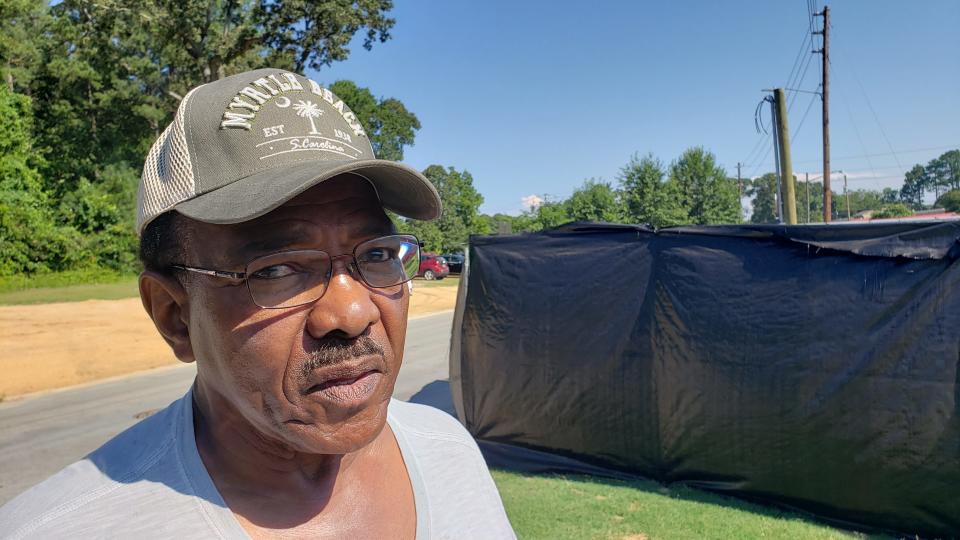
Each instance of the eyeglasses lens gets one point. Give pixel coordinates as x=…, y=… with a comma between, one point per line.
x=388, y=261
x=294, y=278
x=287, y=279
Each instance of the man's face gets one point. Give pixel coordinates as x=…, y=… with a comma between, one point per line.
x=315, y=378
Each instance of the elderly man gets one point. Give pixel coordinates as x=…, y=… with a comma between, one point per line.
x=269, y=261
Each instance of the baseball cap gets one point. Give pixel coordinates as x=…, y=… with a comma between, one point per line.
x=243, y=145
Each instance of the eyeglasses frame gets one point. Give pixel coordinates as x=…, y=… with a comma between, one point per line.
x=244, y=276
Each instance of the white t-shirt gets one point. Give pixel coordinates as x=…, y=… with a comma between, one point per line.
x=149, y=482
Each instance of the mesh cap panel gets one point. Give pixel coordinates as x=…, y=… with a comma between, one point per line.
x=167, y=172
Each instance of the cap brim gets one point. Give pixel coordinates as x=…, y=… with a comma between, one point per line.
x=401, y=189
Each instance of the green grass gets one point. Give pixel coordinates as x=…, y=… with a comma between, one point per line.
x=450, y=281
x=72, y=286
x=557, y=507
x=101, y=285
x=124, y=288
x=62, y=279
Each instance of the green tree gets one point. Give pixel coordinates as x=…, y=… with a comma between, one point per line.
x=763, y=191
x=810, y=201
x=951, y=164
x=549, y=214
x=647, y=197
x=859, y=200
x=30, y=240
x=893, y=210
x=493, y=223
x=937, y=177
x=914, y=186
x=105, y=78
x=186, y=42
x=388, y=123
x=943, y=173
x=113, y=72
x=20, y=22
x=595, y=201
x=460, y=218
x=890, y=195
x=706, y=193
x=950, y=201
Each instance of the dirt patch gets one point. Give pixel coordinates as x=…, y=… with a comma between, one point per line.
x=50, y=346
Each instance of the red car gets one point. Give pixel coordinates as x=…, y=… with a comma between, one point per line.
x=433, y=267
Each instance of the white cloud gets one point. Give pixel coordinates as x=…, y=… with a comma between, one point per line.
x=531, y=201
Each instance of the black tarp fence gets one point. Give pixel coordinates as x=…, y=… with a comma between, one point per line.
x=814, y=367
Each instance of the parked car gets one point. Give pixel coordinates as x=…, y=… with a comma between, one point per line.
x=433, y=267
x=455, y=262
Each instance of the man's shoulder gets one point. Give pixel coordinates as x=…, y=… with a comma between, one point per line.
x=426, y=421
x=442, y=448
x=94, y=481
x=449, y=474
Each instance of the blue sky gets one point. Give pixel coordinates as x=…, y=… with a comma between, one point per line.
x=535, y=97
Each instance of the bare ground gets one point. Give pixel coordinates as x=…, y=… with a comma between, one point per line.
x=49, y=346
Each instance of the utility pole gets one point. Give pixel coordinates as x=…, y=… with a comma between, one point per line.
x=776, y=158
x=807, y=182
x=789, y=191
x=825, y=97
x=739, y=181
x=846, y=194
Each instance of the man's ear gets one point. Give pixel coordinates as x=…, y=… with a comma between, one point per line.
x=165, y=300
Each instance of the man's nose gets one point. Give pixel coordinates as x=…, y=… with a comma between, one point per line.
x=345, y=307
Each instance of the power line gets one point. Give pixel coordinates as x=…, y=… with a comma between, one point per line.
x=794, y=70
x=756, y=147
x=804, y=91
x=871, y=170
x=762, y=155
x=800, y=82
x=794, y=82
x=766, y=155
x=758, y=122
x=876, y=118
x=912, y=151
x=793, y=137
x=797, y=62
x=856, y=130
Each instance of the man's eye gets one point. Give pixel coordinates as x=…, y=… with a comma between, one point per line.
x=275, y=271
x=379, y=254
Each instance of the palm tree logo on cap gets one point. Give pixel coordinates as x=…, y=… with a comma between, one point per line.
x=308, y=110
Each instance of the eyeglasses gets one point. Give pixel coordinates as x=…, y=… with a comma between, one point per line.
x=299, y=277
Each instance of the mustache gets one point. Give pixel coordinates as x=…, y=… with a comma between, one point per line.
x=335, y=350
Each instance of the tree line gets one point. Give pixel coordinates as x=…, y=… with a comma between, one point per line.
x=940, y=178
x=692, y=190
x=86, y=87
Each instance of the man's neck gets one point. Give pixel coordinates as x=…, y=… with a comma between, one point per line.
x=272, y=489
x=241, y=458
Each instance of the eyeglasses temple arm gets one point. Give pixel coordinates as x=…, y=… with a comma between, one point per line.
x=215, y=273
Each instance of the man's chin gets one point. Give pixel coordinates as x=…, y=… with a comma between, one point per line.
x=339, y=435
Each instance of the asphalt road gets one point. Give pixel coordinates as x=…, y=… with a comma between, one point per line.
x=42, y=434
